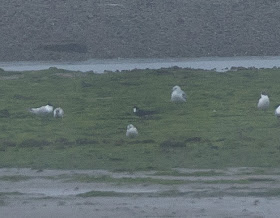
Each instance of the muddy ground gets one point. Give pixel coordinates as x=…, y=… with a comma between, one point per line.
x=234, y=192
x=81, y=30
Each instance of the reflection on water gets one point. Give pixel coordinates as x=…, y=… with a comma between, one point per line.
x=220, y=64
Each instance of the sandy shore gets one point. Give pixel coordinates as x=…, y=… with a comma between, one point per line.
x=238, y=192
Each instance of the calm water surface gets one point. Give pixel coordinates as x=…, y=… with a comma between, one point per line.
x=220, y=64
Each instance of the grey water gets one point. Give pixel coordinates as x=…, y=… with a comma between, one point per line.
x=219, y=64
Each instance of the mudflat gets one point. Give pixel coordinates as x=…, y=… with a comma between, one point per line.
x=230, y=192
x=81, y=30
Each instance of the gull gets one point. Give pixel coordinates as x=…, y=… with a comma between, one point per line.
x=263, y=103
x=277, y=112
x=43, y=110
x=58, y=112
x=140, y=113
x=178, y=95
x=131, y=131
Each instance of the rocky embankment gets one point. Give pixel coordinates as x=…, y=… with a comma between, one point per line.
x=80, y=30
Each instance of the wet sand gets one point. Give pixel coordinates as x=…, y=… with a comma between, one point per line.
x=235, y=192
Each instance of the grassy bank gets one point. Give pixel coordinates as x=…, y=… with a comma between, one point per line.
x=218, y=126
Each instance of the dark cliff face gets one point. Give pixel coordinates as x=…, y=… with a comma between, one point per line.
x=79, y=30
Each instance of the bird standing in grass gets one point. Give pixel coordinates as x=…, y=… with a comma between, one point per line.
x=131, y=131
x=178, y=95
x=263, y=103
x=43, y=110
x=58, y=112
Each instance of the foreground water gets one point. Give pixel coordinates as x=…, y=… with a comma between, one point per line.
x=220, y=64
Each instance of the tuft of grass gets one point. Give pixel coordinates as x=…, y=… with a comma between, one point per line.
x=195, y=174
x=171, y=143
x=239, y=181
x=4, y=113
x=85, y=141
x=34, y=143
x=101, y=194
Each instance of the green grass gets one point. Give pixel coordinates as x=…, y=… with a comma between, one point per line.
x=195, y=174
x=103, y=194
x=176, y=193
x=99, y=107
x=84, y=178
x=9, y=193
x=17, y=178
x=126, y=180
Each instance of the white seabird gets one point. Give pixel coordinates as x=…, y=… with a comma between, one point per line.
x=44, y=110
x=131, y=131
x=263, y=103
x=58, y=112
x=178, y=95
x=277, y=112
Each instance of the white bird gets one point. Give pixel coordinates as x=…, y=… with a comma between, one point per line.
x=178, y=95
x=58, y=112
x=131, y=131
x=44, y=110
x=277, y=112
x=263, y=103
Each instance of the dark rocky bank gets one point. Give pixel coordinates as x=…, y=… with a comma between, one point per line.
x=85, y=29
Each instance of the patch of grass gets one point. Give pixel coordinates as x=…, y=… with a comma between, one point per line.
x=17, y=178
x=171, y=193
x=261, y=180
x=88, y=179
x=171, y=143
x=4, y=113
x=149, y=180
x=268, y=193
x=239, y=181
x=199, y=194
x=9, y=193
x=34, y=143
x=256, y=171
x=195, y=174
x=85, y=141
x=101, y=194
x=274, y=192
x=125, y=180
x=219, y=125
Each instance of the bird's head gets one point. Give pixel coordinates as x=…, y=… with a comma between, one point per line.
x=176, y=88
x=129, y=126
x=135, y=109
x=264, y=93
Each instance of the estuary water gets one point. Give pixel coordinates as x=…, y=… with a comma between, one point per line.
x=220, y=64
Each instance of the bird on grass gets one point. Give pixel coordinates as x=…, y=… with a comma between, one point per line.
x=277, y=112
x=43, y=110
x=178, y=95
x=142, y=113
x=131, y=131
x=58, y=112
x=263, y=103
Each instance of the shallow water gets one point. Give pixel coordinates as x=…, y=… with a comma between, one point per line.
x=220, y=64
